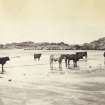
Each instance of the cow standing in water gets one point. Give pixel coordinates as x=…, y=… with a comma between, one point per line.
x=72, y=57
x=82, y=54
x=3, y=60
x=75, y=58
x=104, y=57
x=37, y=56
x=56, y=58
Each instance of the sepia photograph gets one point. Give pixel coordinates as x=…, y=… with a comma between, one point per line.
x=52, y=52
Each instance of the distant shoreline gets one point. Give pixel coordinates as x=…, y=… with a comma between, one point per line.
x=95, y=45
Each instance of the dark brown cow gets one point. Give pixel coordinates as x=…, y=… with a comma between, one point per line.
x=82, y=54
x=72, y=57
x=3, y=60
x=104, y=58
x=104, y=54
x=37, y=56
x=75, y=58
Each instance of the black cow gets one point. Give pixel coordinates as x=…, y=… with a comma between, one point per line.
x=104, y=54
x=82, y=54
x=104, y=58
x=3, y=60
x=37, y=56
x=73, y=57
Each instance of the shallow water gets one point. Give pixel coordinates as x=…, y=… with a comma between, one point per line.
x=25, y=59
x=29, y=82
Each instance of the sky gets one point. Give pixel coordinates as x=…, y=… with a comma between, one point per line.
x=70, y=21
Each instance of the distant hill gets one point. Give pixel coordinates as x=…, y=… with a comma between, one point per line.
x=36, y=46
x=29, y=45
x=95, y=45
x=98, y=44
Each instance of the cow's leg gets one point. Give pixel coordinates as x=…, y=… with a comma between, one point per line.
x=2, y=68
x=35, y=59
x=68, y=64
x=104, y=60
x=86, y=58
x=51, y=64
x=75, y=63
x=60, y=64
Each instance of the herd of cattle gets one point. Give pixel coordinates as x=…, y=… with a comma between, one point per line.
x=56, y=57
x=67, y=57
